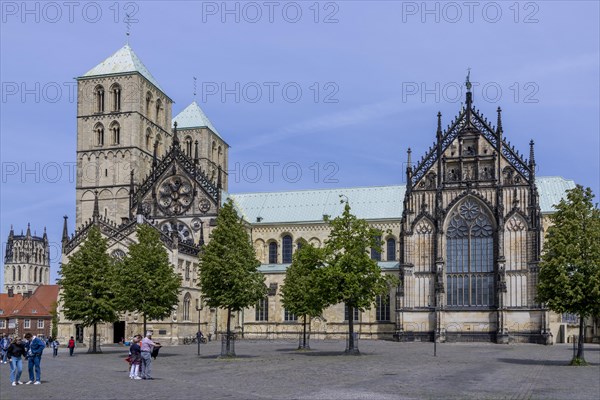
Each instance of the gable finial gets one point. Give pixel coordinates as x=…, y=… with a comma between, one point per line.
x=96, y=212
x=531, y=154
x=439, y=124
x=65, y=232
x=154, y=156
x=175, y=138
x=469, y=94
x=409, y=158
x=196, y=158
x=499, y=122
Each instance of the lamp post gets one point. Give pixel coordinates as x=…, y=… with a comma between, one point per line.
x=198, y=308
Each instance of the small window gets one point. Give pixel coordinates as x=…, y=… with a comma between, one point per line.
x=2, y=324
x=99, y=95
x=99, y=130
x=27, y=324
x=391, y=249
x=187, y=300
x=288, y=316
x=116, y=97
x=40, y=324
x=273, y=253
x=187, y=271
x=262, y=309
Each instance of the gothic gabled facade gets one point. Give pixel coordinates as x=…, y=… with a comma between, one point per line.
x=470, y=238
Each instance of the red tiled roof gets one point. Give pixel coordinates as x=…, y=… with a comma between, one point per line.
x=8, y=305
x=47, y=295
x=40, y=304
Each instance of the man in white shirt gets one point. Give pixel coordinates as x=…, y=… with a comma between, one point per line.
x=147, y=346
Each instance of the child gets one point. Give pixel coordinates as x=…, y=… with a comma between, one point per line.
x=55, y=345
x=135, y=357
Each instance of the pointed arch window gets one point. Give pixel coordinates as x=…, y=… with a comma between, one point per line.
x=383, y=307
x=286, y=249
x=469, y=253
x=115, y=92
x=19, y=273
x=41, y=276
x=391, y=249
x=99, y=97
x=273, y=253
x=187, y=301
x=35, y=273
x=14, y=274
x=116, y=132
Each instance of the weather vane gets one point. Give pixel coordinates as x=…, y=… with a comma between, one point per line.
x=128, y=24
x=468, y=82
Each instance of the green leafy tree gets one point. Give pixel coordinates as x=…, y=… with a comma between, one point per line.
x=148, y=283
x=302, y=293
x=229, y=275
x=569, y=279
x=350, y=275
x=87, y=285
x=54, y=313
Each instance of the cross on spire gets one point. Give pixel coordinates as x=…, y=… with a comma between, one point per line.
x=195, y=87
x=468, y=81
x=128, y=25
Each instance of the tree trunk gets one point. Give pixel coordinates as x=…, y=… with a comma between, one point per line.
x=94, y=338
x=144, y=332
x=228, y=338
x=304, y=341
x=351, y=344
x=581, y=338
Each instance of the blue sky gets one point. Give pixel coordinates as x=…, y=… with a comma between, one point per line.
x=335, y=91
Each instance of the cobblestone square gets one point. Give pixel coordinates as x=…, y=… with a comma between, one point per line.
x=275, y=370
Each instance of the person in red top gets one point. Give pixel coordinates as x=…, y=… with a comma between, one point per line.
x=71, y=346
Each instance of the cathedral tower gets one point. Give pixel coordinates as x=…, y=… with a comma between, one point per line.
x=26, y=262
x=123, y=118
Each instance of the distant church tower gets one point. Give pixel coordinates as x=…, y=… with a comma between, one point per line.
x=26, y=262
x=123, y=121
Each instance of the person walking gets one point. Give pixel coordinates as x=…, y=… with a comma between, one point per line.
x=35, y=348
x=135, y=357
x=146, y=350
x=15, y=352
x=71, y=346
x=55, y=345
x=4, y=343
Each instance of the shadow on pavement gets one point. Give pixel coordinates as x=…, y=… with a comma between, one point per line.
x=560, y=363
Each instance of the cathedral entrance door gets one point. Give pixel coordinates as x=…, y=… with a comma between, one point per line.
x=118, y=331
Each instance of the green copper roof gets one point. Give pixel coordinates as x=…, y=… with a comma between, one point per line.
x=371, y=203
x=124, y=60
x=552, y=189
x=377, y=202
x=193, y=117
x=278, y=268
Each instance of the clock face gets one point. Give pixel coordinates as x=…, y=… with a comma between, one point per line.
x=175, y=195
x=204, y=206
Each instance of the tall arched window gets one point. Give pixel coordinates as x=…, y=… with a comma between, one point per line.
x=188, y=146
x=19, y=267
x=470, y=252
x=99, y=130
x=391, y=249
x=115, y=130
x=14, y=274
x=115, y=92
x=187, y=300
x=35, y=274
x=273, y=253
x=99, y=95
x=149, y=140
x=375, y=254
x=158, y=108
x=41, y=280
x=286, y=249
x=148, y=103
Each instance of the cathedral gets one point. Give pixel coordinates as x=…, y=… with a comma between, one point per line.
x=464, y=235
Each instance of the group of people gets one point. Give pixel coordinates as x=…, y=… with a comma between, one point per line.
x=141, y=352
x=30, y=348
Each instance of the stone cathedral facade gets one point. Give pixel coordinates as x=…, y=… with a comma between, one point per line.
x=464, y=234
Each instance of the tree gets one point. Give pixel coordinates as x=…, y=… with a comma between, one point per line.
x=350, y=275
x=87, y=285
x=302, y=293
x=229, y=275
x=148, y=283
x=569, y=278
